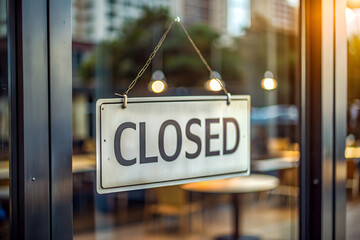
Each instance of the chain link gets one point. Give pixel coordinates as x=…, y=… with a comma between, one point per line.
x=203, y=59
x=152, y=55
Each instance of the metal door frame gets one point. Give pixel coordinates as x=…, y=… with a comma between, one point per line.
x=323, y=119
x=40, y=91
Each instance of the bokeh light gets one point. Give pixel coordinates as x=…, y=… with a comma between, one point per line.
x=268, y=83
x=213, y=85
x=158, y=86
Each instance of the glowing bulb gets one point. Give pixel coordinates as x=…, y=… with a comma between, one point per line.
x=213, y=85
x=268, y=83
x=158, y=86
x=350, y=15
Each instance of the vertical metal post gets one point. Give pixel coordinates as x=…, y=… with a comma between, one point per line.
x=29, y=160
x=340, y=119
x=13, y=122
x=60, y=100
x=311, y=115
x=40, y=105
x=303, y=168
x=327, y=118
x=323, y=120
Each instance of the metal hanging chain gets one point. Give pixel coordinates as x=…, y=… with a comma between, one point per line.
x=152, y=55
x=203, y=59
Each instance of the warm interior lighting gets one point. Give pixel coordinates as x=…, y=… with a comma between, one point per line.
x=213, y=85
x=353, y=4
x=268, y=83
x=158, y=86
x=352, y=152
x=350, y=15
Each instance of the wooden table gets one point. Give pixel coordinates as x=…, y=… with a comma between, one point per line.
x=286, y=160
x=83, y=163
x=80, y=163
x=235, y=187
x=352, y=152
x=4, y=170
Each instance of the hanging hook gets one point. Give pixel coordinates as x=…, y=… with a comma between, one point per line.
x=125, y=99
x=228, y=98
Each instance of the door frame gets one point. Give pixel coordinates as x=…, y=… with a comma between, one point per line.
x=40, y=93
x=323, y=119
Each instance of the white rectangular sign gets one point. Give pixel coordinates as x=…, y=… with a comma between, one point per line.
x=164, y=141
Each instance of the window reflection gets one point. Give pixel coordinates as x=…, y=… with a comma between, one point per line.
x=241, y=40
x=352, y=152
x=4, y=125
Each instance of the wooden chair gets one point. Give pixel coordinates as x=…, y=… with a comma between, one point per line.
x=352, y=179
x=169, y=202
x=288, y=188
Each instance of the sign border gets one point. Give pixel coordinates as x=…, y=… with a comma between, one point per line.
x=131, y=101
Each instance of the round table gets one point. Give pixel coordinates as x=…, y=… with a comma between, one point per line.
x=235, y=187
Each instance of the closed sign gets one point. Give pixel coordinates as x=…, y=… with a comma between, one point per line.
x=164, y=141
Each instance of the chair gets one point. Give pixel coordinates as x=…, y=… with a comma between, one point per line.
x=352, y=179
x=288, y=188
x=168, y=202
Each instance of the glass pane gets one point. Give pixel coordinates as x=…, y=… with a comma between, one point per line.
x=253, y=47
x=4, y=125
x=352, y=152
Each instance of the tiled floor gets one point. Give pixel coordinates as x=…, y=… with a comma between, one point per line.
x=267, y=220
x=353, y=219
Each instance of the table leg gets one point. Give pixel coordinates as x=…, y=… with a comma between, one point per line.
x=237, y=221
x=236, y=198
x=238, y=224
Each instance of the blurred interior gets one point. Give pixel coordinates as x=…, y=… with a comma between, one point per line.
x=352, y=152
x=254, y=48
x=253, y=45
x=4, y=126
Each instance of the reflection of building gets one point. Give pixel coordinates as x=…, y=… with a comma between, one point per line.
x=195, y=11
x=80, y=51
x=233, y=16
x=82, y=19
x=3, y=9
x=226, y=16
x=95, y=20
x=281, y=14
x=4, y=104
x=218, y=15
x=238, y=16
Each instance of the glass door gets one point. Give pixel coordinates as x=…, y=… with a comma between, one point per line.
x=253, y=47
x=4, y=125
x=287, y=55
x=352, y=152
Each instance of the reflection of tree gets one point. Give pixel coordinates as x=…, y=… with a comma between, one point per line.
x=254, y=50
x=241, y=61
x=119, y=60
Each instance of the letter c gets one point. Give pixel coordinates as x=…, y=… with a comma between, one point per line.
x=117, y=141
